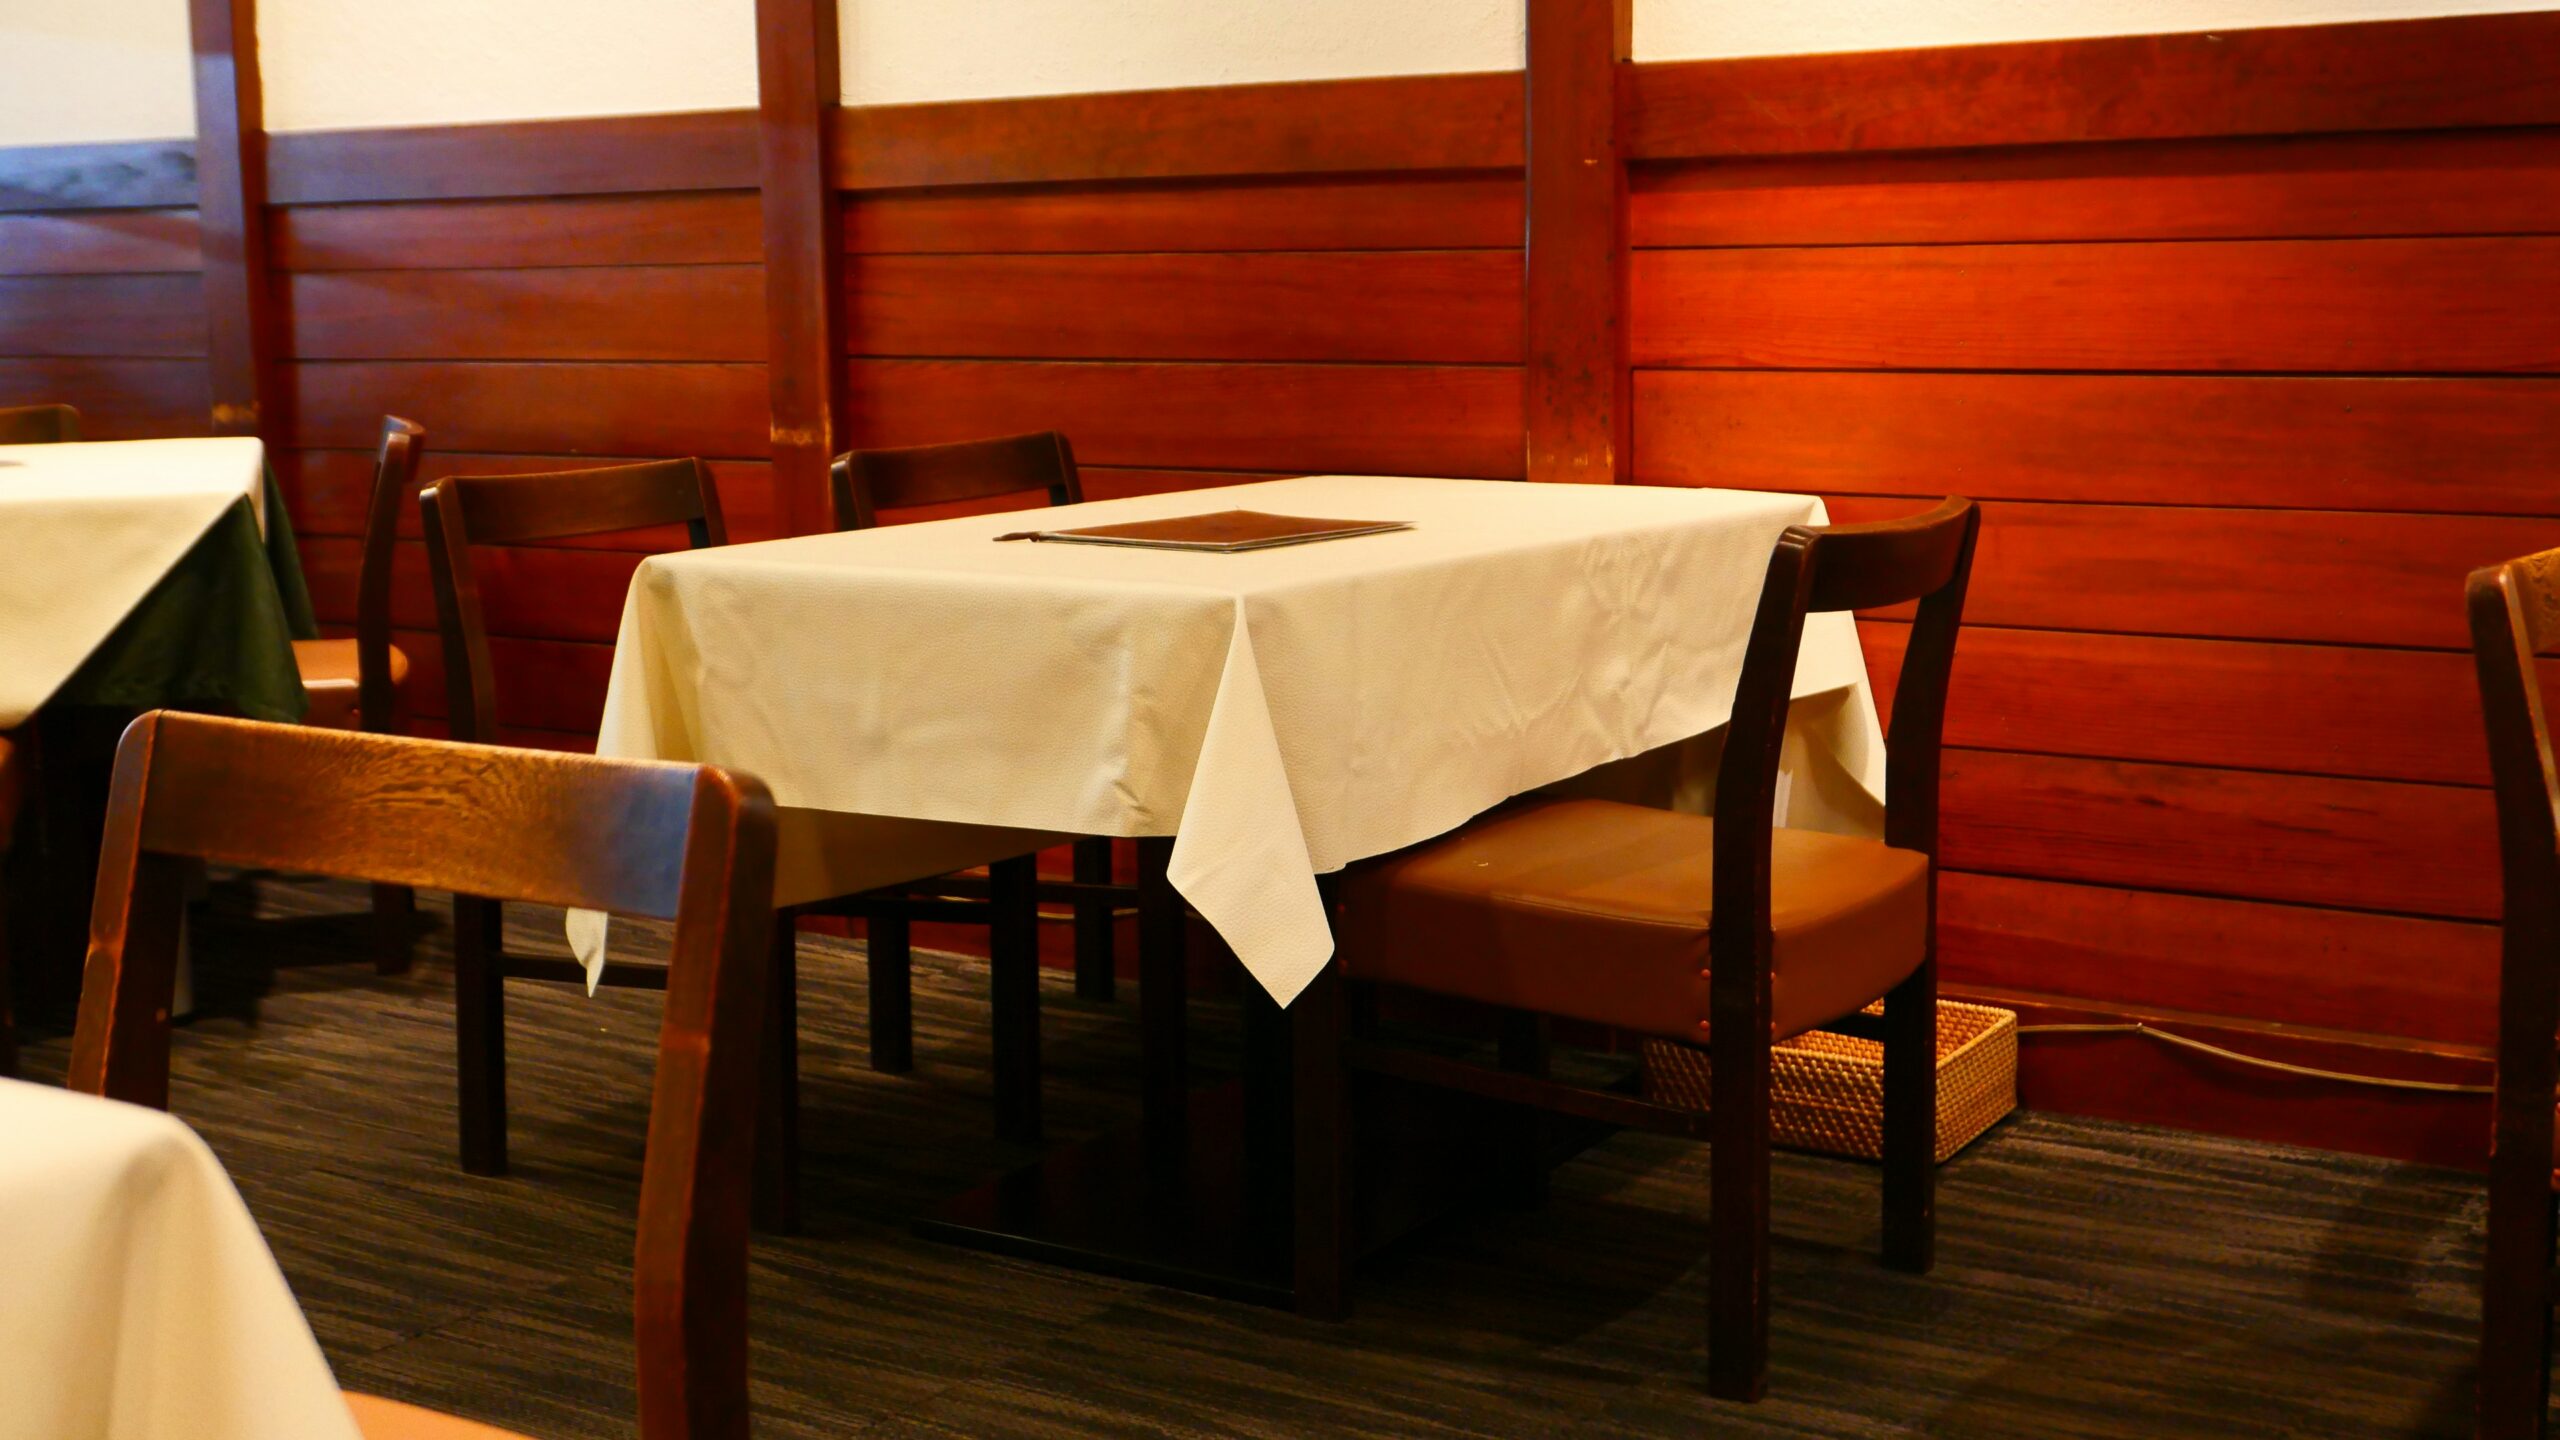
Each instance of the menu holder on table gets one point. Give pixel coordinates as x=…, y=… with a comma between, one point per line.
x=1223, y=532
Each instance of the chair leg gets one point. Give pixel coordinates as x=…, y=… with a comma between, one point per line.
x=1164, y=982
x=395, y=923
x=1013, y=951
x=1738, y=1301
x=777, y=1176
x=1095, y=960
x=892, y=961
x=1911, y=1121
x=480, y=1032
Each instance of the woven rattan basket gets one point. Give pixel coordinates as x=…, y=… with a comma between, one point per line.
x=1826, y=1091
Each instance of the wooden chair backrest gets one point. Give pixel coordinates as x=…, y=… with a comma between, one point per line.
x=463, y=511
x=863, y=483
x=395, y=475
x=1814, y=570
x=689, y=843
x=39, y=425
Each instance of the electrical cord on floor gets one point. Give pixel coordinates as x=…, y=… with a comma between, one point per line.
x=2189, y=1042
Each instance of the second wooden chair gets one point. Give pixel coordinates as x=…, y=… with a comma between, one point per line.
x=685, y=843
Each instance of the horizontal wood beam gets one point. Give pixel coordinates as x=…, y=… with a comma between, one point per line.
x=2457, y=72
x=704, y=150
x=118, y=175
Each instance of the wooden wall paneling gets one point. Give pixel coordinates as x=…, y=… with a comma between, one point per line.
x=2340, y=577
x=2461, y=304
x=1302, y=419
x=1575, y=400
x=797, y=61
x=2285, y=964
x=608, y=155
x=2460, y=72
x=2346, y=844
x=2486, y=182
x=231, y=204
x=625, y=312
x=1425, y=306
x=554, y=685
x=2449, y=445
x=528, y=592
x=2140, y=1079
x=138, y=316
x=118, y=399
x=101, y=242
x=115, y=175
x=720, y=227
x=2302, y=709
x=638, y=411
x=1467, y=210
x=1398, y=123
x=329, y=490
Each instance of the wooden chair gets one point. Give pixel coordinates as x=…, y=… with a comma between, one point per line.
x=2515, y=614
x=863, y=483
x=355, y=684
x=1723, y=933
x=39, y=425
x=460, y=515
x=687, y=843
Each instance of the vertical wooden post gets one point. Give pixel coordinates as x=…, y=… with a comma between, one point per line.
x=797, y=69
x=1576, y=380
x=231, y=210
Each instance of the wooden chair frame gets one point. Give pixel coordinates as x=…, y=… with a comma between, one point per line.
x=39, y=425
x=461, y=513
x=1928, y=558
x=692, y=844
x=861, y=484
x=2515, y=614
x=395, y=477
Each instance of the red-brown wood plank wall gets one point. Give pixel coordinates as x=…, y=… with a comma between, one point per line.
x=101, y=295
x=2243, y=411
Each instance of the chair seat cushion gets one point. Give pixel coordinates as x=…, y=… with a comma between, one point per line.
x=330, y=675
x=380, y=1419
x=1598, y=911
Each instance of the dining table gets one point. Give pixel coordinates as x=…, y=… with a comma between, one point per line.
x=140, y=574
x=138, y=1300
x=928, y=696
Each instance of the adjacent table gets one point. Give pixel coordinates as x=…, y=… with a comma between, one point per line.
x=923, y=697
x=137, y=1301
x=147, y=573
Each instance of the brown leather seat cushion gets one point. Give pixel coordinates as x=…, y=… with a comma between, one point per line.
x=330, y=676
x=1598, y=911
x=381, y=1419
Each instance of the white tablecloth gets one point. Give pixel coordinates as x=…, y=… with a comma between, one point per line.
x=137, y=1301
x=1282, y=712
x=86, y=530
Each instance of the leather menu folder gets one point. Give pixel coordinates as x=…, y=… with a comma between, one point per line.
x=1221, y=532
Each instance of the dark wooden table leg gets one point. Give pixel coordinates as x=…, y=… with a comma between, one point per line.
x=887, y=947
x=480, y=1032
x=1163, y=993
x=1320, y=1149
x=1096, y=961
x=1013, y=950
x=1525, y=1051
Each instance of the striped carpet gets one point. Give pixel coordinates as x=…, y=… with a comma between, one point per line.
x=2094, y=1280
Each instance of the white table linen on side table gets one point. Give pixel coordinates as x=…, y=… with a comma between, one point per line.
x=86, y=530
x=137, y=1300
x=1280, y=712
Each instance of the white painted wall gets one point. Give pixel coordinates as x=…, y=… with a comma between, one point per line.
x=1703, y=29
x=75, y=70
x=335, y=64
x=902, y=50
